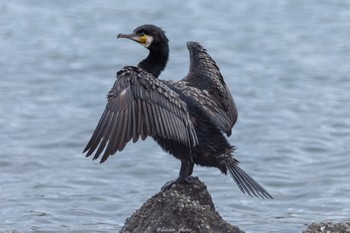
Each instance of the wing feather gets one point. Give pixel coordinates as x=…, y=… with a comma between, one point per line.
x=160, y=121
x=114, y=140
x=130, y=123
x=139, y=118
x=135, y=135
x=105, y=137
x=169, y=123
x=124, y=131
x=205, y=75
x=98, y=131
x=155, y=117
x=140, y=105
x=146, y=119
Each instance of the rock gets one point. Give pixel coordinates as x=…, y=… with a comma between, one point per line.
x=328, y=227
x=182, y=208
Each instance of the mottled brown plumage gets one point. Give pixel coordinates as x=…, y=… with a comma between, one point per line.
x=187, y=118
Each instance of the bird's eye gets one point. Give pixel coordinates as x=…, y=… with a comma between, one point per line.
x=142, y=34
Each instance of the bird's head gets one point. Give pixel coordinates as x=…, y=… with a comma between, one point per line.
x=150, y=36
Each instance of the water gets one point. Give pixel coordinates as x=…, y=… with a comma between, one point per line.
x=286, y=63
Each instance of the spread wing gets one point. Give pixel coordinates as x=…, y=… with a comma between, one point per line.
x=205, y=75
x=140, y=105
x=212, y=108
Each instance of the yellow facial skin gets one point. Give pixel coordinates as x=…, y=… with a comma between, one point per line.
x=143, y=39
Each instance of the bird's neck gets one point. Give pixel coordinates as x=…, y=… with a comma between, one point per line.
x=156, y=61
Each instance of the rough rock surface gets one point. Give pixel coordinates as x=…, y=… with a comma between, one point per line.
x=328, y=227
x=182, y=208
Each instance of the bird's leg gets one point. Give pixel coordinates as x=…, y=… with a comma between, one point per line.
x=185, y=173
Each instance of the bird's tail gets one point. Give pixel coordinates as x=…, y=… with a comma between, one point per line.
x=245, y=182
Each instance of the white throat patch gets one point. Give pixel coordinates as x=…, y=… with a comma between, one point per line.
x=149, y=40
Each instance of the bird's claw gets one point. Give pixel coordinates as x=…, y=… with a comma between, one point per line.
x=179, y=180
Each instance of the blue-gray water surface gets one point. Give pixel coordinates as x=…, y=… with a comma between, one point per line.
x=287, y=64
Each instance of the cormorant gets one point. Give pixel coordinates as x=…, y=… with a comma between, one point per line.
x=187, y=118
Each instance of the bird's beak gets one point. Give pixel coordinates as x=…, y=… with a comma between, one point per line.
x=134, y=36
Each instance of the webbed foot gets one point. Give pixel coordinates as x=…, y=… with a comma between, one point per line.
x=169, y=184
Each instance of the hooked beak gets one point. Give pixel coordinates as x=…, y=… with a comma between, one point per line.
x=134, y=36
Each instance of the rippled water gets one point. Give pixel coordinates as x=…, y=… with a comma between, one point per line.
x=286, y=63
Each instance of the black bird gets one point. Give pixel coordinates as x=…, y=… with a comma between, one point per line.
x=186, y=118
